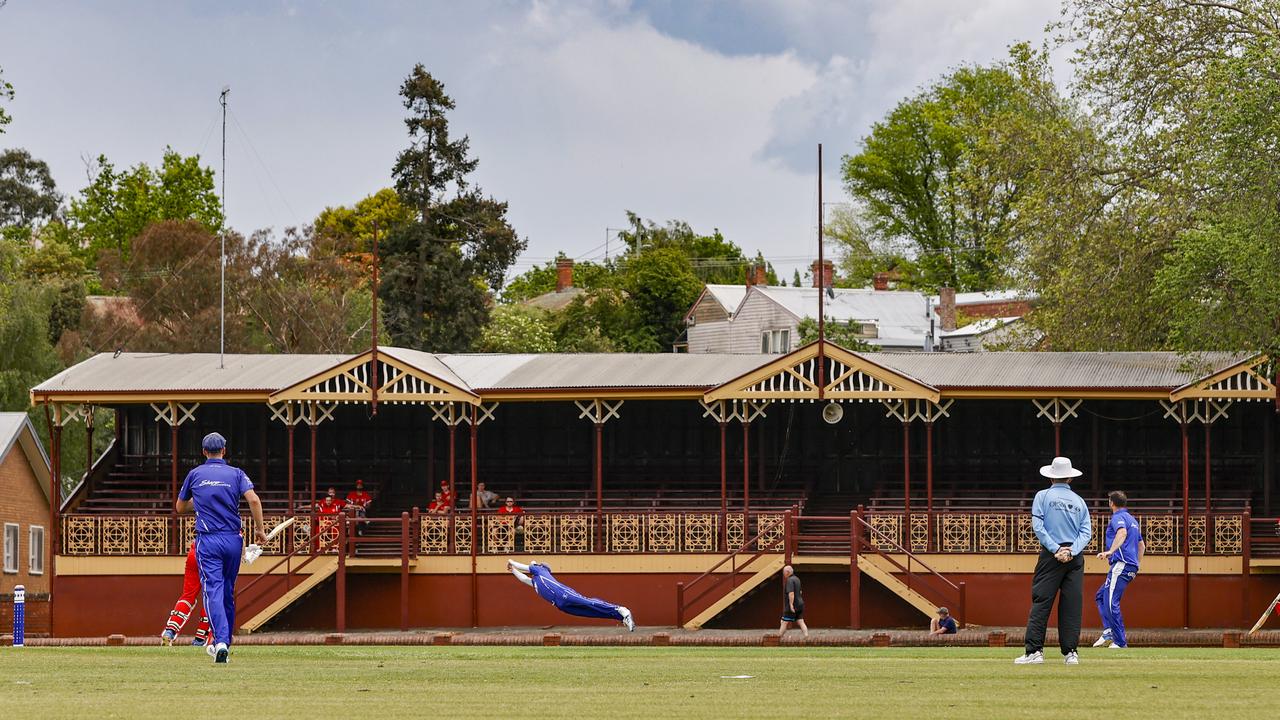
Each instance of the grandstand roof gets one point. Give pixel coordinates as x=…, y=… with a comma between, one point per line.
x=148, y=377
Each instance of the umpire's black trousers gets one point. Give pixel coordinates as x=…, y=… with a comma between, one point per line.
x=1051, y=578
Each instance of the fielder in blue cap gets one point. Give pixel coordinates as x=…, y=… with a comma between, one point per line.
x=214, y=490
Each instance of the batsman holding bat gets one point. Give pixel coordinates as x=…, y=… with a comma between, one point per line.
x=214, y=490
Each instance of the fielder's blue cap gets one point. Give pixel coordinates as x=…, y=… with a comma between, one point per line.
x=213, y=442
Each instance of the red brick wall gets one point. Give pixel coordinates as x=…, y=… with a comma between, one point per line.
x=1014, y=308
x=23, y=502
x=36, y=615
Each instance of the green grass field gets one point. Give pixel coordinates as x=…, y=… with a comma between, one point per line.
x=387, y=682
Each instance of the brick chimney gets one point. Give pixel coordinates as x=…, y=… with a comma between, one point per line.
x=947, y=309
x=564, y=274
x=828, y=271
x=757, y=275
x=880, y=281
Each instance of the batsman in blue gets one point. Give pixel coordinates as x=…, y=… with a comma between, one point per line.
x=213, y=489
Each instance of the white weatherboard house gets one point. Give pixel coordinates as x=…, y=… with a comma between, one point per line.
x=759, y=318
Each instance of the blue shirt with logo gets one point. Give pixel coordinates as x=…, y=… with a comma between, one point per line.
x=1127, y=553
x=1060, y=518
x=216, y=487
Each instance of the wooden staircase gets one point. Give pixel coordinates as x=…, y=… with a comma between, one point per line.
x=879, y=570
x=324, y=569
x=766, y=571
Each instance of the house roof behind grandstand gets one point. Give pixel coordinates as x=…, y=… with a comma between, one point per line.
x=600, y=370
x=157, y=372
x=1058, y=369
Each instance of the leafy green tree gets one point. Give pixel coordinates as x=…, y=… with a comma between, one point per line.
x=542, y=279
x=346, y=230
x=846, y=335
x=440, y=268
x=28, y=196
x=712, y=258
x=6, y=93
x=661, y=287
x=516, y=329
x=117, y=206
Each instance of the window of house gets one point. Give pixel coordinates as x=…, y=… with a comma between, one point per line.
x=775, y=341
x=35, y=550
x=10, y=547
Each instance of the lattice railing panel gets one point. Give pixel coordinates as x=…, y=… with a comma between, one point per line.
x=151, y=535
x=188, y=532
x=993, y=534
x=462, y=536
x=664, y=533
x=116, y=535
x=1197, y=535
x=79, y=535
x=736, y=531
x=539, y=534
x=300, y=532
x=887, y=524
x=327, y=533
x=1160, y=533
x=1026, y=536
x=919, y=533
x=499, y=534
x=773, y=531
x=625, y=533
x=955, y=533
x=701, y=532
x=433, y=534
x=1228, y=535
x=575, y=533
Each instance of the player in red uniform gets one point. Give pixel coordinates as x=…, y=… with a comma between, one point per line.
x=447, y=496
x=182, y=609
x=330, y=504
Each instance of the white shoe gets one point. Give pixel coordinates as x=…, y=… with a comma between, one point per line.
x=1072, y=659
x=209, y=648
x=1035, y=658
x=1117, y=647
x=626, y=619
x=1103, y=639
x=220, y=653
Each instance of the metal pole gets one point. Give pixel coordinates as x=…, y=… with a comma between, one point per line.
x=855, y=573
x=373, y=386
x=928, y=485
x=342, y=572
x=599, y=473
x=289, y=431
x=475, y=535
x=453, y=463
x=906, y=482
x=1208, y=480
x=1057, y=439
x=853, y=563
x=1246, y=549
x=222, y=281
x=822, y=278
x=315, y=529
x=404, y=571
x=1186, y=522
x=173, y=478
x=746, y=478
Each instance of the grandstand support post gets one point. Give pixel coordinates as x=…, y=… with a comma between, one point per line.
x=53, y=420
x=289, y=431
x=174, y=544
x=680, y=604
x=88, y=441
x=404, y=571
x=598, y=471
x=1057, y=439
x=1186, y=526
x=906, y=481
x=964, y=617
x=856, y=519
x=341, y=600
x=1208, y=483
x=453, y=462
x=475, y=531
x=724, y=495
x=928, y=488
x=788, y=536
x=315, y=535
x=746, y=477
x=1246, y=550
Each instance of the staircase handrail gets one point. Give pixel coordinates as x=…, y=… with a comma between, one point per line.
x=270, y=572
x=858, y=520
x=682, y=588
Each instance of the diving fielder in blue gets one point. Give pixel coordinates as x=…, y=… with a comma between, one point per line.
x=1125, y=549
x=214, y=490
x=567, y=600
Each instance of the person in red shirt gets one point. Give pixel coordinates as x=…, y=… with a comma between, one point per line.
x=358, y=500
x=329, y=504
x=446, y=495
x=509, y=507
x=439, y=506
x=182, y=609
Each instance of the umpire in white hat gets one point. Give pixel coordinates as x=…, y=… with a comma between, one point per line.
x=1060, y=520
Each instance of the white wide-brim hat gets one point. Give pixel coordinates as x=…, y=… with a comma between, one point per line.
x=1060, y=468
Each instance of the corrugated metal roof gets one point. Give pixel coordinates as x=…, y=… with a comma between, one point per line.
x=600, y=370
x=898, y=315
x=426, y=362
x=729, y=296
x=11, y=427
x=156, y=372
x=1057, y=369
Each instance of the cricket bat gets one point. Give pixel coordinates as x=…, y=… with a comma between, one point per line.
x=1271, y=607
x=254, y=550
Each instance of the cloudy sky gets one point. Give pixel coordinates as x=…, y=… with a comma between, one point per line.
x=578, y=111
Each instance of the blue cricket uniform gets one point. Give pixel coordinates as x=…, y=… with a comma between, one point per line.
x=1122, y=571
x=216, y=488
x=568, y=600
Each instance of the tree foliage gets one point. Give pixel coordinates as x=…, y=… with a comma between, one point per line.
x=441, y=267
x=517, y=329
x=118, y=205
x=845, y=334
x=6, y=94
x=28, y=195
x=346, y=230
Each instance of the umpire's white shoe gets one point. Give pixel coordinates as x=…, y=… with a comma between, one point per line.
x=1072, y=658
x=1035, y=658
x=627, y=620
x=1103, y=639
x=220, y=653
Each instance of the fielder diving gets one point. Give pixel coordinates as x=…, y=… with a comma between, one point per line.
x=567, y=600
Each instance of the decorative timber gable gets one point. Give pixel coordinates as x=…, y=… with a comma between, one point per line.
x=1251, y=379
x=846, y=376
x=351, y=381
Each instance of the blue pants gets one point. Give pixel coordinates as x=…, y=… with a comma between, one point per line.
x=568, y=600
x=1108, y=599
x=218, y=555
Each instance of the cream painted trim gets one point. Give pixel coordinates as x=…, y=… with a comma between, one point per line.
x=1064, y=393
x=596, y=564
x=905, y=387
x=1199, y=388
x=299, y=390
x=1025, y=563
x=80, y=565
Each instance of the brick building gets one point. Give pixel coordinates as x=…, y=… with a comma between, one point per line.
x=24, y=506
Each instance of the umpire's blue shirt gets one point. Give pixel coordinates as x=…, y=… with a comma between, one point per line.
x=1059, y=518
x=216, y=487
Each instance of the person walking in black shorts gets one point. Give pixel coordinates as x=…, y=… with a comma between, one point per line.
x=1060, y=520
x=792, y=602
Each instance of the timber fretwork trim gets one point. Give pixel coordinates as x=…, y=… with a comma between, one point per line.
x=398, y=382
x=846, y=376
x=1204, y=411
x=906, y=411
x=1250, y=380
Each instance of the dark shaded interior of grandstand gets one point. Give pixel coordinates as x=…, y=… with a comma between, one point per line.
x=666, y=454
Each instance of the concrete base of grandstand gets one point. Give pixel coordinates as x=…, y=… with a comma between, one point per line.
x=577, y=636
